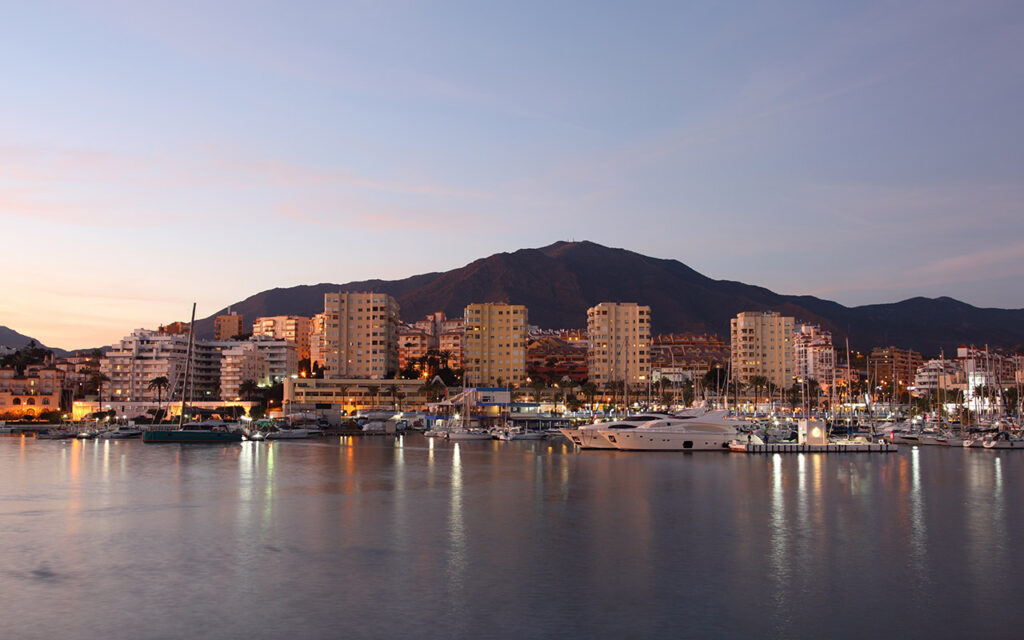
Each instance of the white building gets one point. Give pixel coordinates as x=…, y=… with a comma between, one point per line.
x=139, y=358
x=814, y=355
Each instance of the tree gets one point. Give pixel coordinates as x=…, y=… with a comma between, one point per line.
x=715, y=379
x=688, y=394
x=158, y=383
x=96, y=380
x=373, y=389
x=589, y=390
x=538, y=387
x=249, y=390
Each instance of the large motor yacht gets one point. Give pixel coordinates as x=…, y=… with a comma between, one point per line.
x=710, y=432
x=589, y=437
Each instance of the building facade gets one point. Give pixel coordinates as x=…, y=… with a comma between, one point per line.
x=241, y=363
x=294, y=329
x=814, y=355
x=38, y=390
x=494, y=346
x=762, y=345
x=227, y=326
x=360, y=335
x=891, y=365
x=619, y=343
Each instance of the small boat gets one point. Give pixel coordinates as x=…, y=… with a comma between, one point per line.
x=56, y=434
x=469, y=434
x=121, y=432
x=1003, y=440
x=290, y=433
x=518, y=433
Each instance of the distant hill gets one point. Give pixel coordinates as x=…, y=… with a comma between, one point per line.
x=559, y=282
x=15, y=340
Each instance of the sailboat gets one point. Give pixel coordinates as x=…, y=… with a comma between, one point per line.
x=193, y=432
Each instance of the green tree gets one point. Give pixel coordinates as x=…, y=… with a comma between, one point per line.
x=249, y=390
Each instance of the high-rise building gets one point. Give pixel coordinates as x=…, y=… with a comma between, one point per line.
x=227, y=326
x=762, y=345
x=360, y=335
x=619, y=343
x=814, y=355
x=494, y=347
x=294, y=329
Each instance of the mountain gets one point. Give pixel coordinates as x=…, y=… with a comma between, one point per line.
x=15, y=340
x=559, y=282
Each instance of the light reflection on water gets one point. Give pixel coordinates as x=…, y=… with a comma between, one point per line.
x=391, y=537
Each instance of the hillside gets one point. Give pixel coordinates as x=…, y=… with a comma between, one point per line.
x=559, y=282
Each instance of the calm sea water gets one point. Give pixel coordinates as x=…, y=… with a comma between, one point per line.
x=416, y=538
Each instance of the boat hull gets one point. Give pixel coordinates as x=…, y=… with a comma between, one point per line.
x=189, y=437
x=648, y=440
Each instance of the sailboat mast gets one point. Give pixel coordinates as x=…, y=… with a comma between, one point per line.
x=188, y=366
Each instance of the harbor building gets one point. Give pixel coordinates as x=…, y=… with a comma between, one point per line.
x=227, y=326
x=940, y=374
x=294, y=329
x=762, y=345
x=332, y=399
x=619, y=343
x=494, y=347
x=360, y=335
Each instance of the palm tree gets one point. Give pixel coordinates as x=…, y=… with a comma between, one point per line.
x=96, y=380
x=393, y=392
x=374, y=389
x=159, y=383
x=589, y=390
x=248, y=390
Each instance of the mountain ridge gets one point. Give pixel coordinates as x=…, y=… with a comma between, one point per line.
x=560, y=281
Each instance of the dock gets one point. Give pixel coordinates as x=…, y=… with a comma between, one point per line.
x=877, y=447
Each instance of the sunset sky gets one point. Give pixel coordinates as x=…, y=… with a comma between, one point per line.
x=152, y=154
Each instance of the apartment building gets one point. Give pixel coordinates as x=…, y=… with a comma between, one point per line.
x=39, y=389
x=133, y=362
x=619, y=343
x=413, y=343
x=227, y=326
x=762, y=345
x=888, y=364
x=316, y=340
x=360, y=335
x=242, y=362
x=294, y=329
x=494, y=347
x=813, y=353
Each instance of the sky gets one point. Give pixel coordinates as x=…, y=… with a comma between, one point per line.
x=158, y=153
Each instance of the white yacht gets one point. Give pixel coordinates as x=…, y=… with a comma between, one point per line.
x=589, y=436
x=711, y=432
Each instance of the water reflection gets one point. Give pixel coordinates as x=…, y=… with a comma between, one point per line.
x=457, y=560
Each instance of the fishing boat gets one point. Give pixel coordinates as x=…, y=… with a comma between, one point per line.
x=193, y=432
